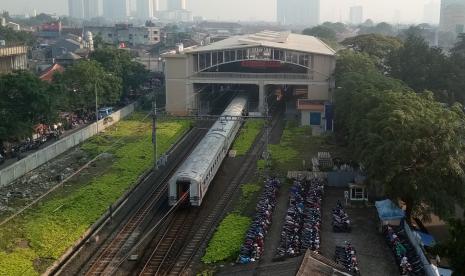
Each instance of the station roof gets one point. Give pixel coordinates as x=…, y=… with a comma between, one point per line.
x=280, y=40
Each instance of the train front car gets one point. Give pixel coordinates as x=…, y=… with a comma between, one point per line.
x=198, y=170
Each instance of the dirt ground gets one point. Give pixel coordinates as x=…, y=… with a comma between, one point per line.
x=374, y=256
x=35, y=183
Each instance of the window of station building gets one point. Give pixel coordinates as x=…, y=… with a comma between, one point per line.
x=315, y=118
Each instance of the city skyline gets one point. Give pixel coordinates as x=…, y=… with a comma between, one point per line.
x=395, y=11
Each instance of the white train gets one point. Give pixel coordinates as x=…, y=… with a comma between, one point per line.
x=198, y=170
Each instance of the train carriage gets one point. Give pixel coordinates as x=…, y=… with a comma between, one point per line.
x=198, y=170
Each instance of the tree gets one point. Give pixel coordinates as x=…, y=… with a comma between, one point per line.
x=321, y=32
x=459, y=47
x=24, y=102
x=421, y=67
x=16, y=37
x=453, y=247
x=411, y=146
x=382, y=28
x=375, y=45
x=338, y=27
x=119, y=62
x=456, y=76
x=80, y=82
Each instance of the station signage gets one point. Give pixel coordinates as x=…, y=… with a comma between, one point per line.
x=260, y=64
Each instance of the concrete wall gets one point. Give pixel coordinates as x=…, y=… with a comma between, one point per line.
x=32, y=161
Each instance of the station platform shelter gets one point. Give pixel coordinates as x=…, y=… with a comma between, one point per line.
x=264, y=60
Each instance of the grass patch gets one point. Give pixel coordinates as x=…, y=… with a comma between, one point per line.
x=227, y=240
x=230, y=234
x=297, y=144
x=51, y=227
x=247, y=136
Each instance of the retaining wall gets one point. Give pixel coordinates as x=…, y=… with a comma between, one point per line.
x=40, y=157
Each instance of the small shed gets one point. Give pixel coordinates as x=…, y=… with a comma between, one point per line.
x=389, y=213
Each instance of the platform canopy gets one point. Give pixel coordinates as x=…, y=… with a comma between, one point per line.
x=387, y=210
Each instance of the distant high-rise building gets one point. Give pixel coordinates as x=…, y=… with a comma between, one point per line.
x=299, y=12
x=174, y=5
x=91, y=8
x=356, y=15
x=452, y=16
x=76, y=8
x=156, y=6
x=145, y=9
x=431, y=12
x=116, y=9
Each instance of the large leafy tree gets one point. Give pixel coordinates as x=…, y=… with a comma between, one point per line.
x=322, y=32
x=81, y=81
x=375, y=45
x=24, y=101
x=120, y=63
x=414, y=145
x=410, y=144
x=456, y=76
x=382, y=28
x=420, y=66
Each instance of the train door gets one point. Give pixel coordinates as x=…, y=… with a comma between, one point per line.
x=183, y=188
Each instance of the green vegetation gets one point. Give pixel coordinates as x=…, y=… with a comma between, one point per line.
x=13, y=37
x=247, y=136
x=297, y=146
x=453, y=247
x=406, y=140
x=25, y=100
x=227, y=240
x=32, y=242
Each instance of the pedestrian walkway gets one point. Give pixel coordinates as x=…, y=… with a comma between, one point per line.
x=374, y=257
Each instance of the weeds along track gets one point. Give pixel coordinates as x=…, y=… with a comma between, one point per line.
x=186, y=232
x=113, y=250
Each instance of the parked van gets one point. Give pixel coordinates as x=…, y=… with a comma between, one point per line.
x=104, y=112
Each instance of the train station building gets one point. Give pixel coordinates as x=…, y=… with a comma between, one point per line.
x=263, y=64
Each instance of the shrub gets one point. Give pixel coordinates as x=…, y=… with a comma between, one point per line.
x=227, y=240
x=247, y=136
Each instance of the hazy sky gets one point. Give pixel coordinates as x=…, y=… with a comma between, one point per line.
x=409, y=11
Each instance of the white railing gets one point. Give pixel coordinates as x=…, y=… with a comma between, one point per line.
x=226, y=75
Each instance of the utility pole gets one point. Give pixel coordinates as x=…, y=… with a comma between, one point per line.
x=154, y=128
x=267, y=138
x=96, y=106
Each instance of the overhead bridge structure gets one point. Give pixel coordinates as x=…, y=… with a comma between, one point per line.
x=266, y=59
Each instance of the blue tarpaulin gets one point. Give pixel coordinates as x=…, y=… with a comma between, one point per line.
x=387, y=210
x=426, y=239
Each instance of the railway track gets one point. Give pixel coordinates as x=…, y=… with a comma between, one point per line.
x=110, y=254
x=161, y=260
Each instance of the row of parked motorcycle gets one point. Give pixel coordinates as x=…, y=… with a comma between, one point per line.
x=252, y=249
x=28, y=145
x=341, y=221
x=406, y=257
x=347, y=257
x=302, y=226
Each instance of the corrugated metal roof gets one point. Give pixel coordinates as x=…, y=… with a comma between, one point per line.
x=280, y=40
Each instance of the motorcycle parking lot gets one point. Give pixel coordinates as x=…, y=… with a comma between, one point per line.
x=373, y=255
